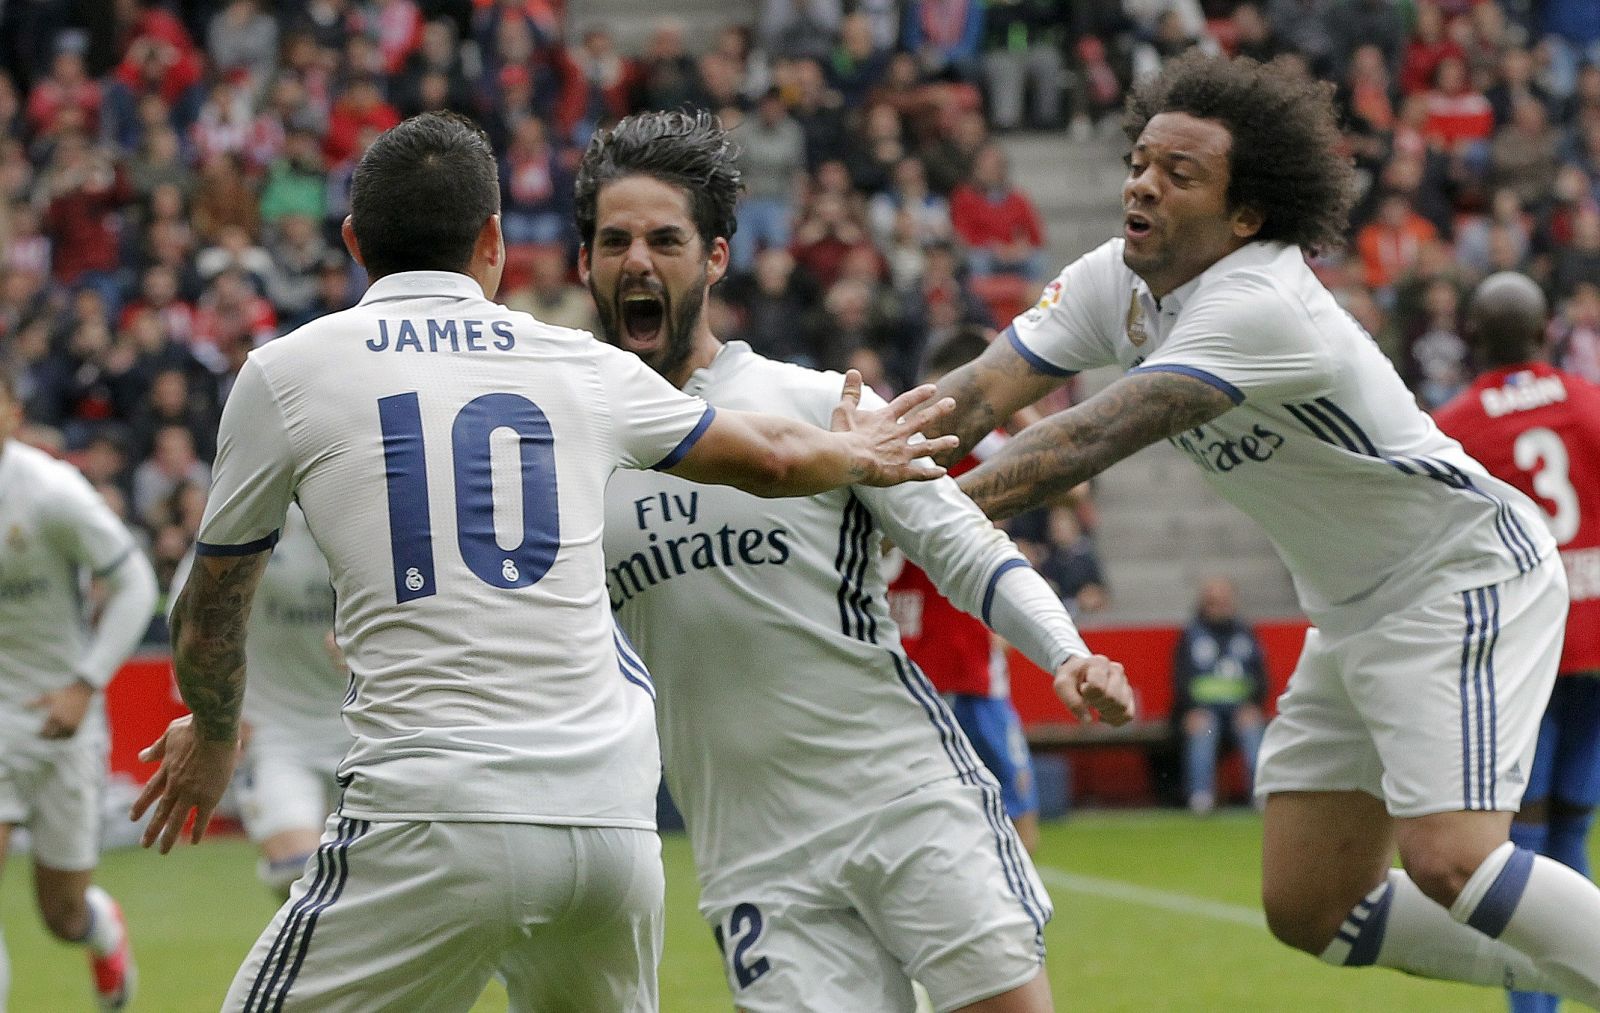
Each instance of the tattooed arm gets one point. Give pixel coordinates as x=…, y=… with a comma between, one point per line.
x=197, y=752
x=1074, y=445
x=988, y=391
x=208, y=624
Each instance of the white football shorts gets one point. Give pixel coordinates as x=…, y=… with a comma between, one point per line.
x=284, y=787
x=1435, y=708
x=419, y=915
x=54, y=788
x=934, y=887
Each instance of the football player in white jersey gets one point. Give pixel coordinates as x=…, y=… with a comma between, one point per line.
x=294, y=736
x=847, y=837
x=1435, y=592
x=451, y=456
x=54, y=531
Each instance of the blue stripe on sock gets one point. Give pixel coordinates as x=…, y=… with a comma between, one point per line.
x=1364, y=951
x=1496, y=907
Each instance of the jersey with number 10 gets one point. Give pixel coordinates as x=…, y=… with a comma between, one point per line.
x=451, y=458
x=1539, y=429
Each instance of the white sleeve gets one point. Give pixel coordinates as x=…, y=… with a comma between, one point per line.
x=1073, y=326
x=1248, y=340
x=89, y=534
x=82, y=527
x=252, y=480
x=655, y=423
x=976, y=566
x=130, y=604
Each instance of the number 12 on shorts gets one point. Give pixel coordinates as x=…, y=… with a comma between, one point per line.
x=406, y=475
x=744, y=929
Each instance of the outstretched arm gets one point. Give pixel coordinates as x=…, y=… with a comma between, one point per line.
x=769, y=455
x=197, y=753
x=1076, y=444
x=988, y=391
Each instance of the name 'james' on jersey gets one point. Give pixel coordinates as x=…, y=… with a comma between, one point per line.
x=1371, y=507
x=451, y=456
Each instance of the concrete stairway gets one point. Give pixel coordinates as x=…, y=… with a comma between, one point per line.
x=1162, y=529
x=631, y=23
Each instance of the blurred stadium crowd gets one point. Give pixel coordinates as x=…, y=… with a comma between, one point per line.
x=173, y=176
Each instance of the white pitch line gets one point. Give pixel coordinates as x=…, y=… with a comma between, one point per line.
x=1164, y=900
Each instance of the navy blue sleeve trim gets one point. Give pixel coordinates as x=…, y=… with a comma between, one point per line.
x=994, y=581
x=1040, y=365
x=1234, y=393
x=687, y=443
x=247, y=549
x=123, y=558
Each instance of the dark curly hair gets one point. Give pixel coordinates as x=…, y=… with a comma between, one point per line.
x=1284, y=161
x=688, y=150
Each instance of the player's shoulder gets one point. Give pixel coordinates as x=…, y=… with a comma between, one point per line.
x=40, y=470
x=1266, y=291
x=53, y=484
x=1274, y=271
x=1099, y=272
x=743, y=379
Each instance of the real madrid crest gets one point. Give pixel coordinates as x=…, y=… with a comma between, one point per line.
x=1136, y=331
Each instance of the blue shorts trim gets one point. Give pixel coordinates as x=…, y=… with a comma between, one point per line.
x=995, y=731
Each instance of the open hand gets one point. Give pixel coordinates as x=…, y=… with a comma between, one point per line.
x=1095, y=684
x=891, y=447
x=194, y=773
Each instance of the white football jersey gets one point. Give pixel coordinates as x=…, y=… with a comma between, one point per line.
x=54, y=530
x=294, y=689
x=451, y=458
x=1371, y=507
x=785, y=702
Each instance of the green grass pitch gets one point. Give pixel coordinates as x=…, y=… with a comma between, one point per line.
x=1155, y=911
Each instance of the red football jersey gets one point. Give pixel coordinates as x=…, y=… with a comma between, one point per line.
x=952, y=647
x=1538, y=428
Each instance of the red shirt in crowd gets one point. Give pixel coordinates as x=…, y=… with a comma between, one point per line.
x=83, y=226
x=1454, y=117
x=985, y=219
x=346, y=122
x=158, y=43
x=1538, y=428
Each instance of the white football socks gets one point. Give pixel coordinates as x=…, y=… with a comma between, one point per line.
x=1543, y=909
x=1521, y=922
x=105, y=928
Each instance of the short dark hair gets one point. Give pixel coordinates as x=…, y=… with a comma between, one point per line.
x=421, y=194
x=688, y=150
x=1284, y=161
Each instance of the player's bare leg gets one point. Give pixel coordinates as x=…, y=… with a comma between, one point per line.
x=1441, y=852
x=283, y=858
x=1034, y=997
x=77, y=911
x=1027, y=825
x=1321, y=852
x=1319, y=846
